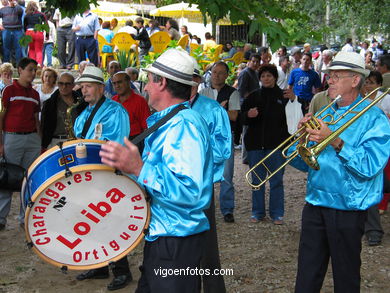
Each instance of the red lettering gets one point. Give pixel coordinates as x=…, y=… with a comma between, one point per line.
x=95, y=254
x=88, y=176
x=67, y=243
x=60, y=186
x=82, y=228
x=138, y=208
x=125, y=236
x=45, y=201
x=86, y=254
x=52, y=193
x=46, y=240
x=39, y=224
x=35, y=217
x=39, y=209
x=133, y=227
x=102, y=208
x=77, y=178
x=40, y=232
x=115, y=194
x=136, y=198
x=77, y=256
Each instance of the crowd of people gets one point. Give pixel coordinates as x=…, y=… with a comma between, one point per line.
x=208, y=119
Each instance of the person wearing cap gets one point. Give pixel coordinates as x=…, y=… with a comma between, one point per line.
x=349, y=181
x=86, y=26
x=110, y=122
x=306, y=48
x=218, y=124
x=176, y=169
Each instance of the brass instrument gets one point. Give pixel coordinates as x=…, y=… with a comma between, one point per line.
x=310, y=154
x=69, y=120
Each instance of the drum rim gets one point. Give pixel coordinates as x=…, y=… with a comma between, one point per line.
x=56, y=148
x=91, y=167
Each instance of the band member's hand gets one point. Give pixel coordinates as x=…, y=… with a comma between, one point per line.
x=223, y=103
x=302, y=122
x=320, y=134
x=124, y=158
x=253, y=112
x=289, y=94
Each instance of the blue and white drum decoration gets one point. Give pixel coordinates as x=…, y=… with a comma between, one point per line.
x=81, y=214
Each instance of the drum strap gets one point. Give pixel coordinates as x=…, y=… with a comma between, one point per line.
x=158, y=124
x=90, y=118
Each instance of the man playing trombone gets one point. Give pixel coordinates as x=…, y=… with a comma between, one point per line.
x=349, y=181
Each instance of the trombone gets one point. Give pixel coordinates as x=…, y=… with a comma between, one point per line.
x=310, y=154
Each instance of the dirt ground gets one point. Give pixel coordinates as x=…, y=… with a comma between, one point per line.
x=263, y=256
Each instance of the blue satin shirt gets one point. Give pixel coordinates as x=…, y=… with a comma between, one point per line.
x=218, y=123
x=353, y=178
x=113, y=122
x=178, y=174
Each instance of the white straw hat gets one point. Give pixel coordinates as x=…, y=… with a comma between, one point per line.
x=91, y=74
x=348, y=61
x=174, y=64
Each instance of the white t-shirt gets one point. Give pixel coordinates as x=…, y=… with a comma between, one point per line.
x=234, y=100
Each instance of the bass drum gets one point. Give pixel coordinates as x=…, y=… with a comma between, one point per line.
x=81, y=214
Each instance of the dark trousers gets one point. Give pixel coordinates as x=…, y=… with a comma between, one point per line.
x=373, y=225
x=65, y=36
x=89, y=46
x=163, y=256
x=330, y=233
x=210, y=258
x=305, y=105
x=120, y=267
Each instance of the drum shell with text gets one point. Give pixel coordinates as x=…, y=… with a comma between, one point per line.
x=86, y=219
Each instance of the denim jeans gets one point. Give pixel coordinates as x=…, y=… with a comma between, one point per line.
x=276, y=201
x=226, y=193
x=48, y=52
x=11, y=41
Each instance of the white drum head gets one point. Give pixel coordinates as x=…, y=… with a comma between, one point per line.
x=88, y=219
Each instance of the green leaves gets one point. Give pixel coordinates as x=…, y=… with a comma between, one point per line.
x=25, y=40
x=70, y=7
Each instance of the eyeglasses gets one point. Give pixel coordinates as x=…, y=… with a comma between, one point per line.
x=65, y=83
x=336, y=77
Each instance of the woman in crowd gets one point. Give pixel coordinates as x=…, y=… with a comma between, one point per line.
x=34, y=16
x=373, y=81
x=153, y=27
x=172, y=28
x=230, y=49
x=6, y=72
x=264, y=113
x=48, y=85
x=370, y=64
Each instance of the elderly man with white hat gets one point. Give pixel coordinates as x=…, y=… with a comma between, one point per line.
x=102, y=119
x=349, y=181
x=176, y=170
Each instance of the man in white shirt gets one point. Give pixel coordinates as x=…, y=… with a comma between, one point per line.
x=283, y=72
x=65, y=37
x=348, y=46
x=128, y=28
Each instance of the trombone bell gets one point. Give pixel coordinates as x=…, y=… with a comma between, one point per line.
x=309, y=157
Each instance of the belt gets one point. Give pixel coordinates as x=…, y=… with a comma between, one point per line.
x=20, y=133
x=60, y=136
x=85, y=37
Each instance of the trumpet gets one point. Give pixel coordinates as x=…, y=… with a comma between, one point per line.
x=310, y=154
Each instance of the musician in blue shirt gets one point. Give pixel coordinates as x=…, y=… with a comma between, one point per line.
x=176, y=169
x=349, y=181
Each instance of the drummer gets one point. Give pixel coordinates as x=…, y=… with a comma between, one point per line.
x=102, y=119
x=176, y=169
